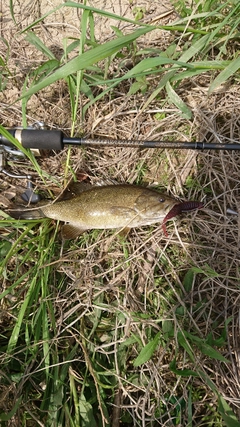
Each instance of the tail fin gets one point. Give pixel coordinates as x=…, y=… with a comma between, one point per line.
x=23, y=213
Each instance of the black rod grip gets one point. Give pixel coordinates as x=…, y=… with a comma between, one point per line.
x=41, y=139
x=36, y=139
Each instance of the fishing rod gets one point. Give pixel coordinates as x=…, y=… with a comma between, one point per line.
x=39, y=138
x=44, y=139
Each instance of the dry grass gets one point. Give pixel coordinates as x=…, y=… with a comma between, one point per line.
x=115, y=288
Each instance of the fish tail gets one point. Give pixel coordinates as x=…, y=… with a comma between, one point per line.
x=35, y=213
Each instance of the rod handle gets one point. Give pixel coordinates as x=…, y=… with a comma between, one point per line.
x=39, y=139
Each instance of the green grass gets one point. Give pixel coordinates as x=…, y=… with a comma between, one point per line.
x=77, y=333
x=211, y=26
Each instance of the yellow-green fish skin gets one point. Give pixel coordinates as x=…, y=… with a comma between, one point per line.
x=112, y=206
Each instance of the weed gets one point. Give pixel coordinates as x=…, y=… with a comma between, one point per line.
x=139, y=329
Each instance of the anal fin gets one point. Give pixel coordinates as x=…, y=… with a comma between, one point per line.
x=124, y=232
x=69, y=231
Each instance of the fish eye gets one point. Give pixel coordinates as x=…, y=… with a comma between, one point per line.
x=161, y=200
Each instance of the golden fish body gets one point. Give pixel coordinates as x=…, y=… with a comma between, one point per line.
x=110, y=206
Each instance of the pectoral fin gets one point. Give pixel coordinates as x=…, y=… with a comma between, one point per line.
x=69, y=231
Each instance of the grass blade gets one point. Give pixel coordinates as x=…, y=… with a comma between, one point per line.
x=79, y=78
x=147, y=351
x=175, y=99
x=35, y=41
x=12, y=11
x=229, y=71
x=16, y=330
x=227, y=413
x=101, y=12
x=88, y=58
x=182, y=372
x=9, y=415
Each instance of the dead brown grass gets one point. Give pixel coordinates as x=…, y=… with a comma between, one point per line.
x=144, y=272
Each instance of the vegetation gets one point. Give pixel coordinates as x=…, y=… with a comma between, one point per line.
x=111, y=330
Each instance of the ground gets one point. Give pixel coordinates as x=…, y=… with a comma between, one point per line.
x=189, y=280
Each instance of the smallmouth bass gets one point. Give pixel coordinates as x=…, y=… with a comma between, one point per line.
x=110, y=206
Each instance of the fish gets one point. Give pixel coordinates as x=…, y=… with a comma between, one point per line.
x=121, y=206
